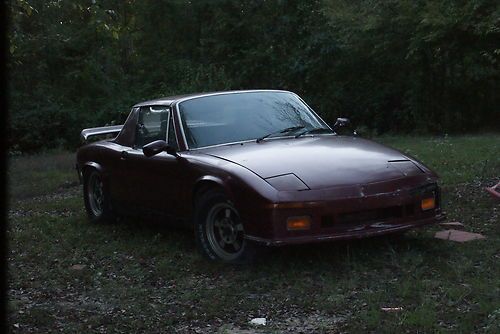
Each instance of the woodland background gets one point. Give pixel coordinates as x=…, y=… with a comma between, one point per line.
x=406, y=66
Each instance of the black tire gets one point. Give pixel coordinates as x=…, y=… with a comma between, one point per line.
x=97, y=203
x=219, y=231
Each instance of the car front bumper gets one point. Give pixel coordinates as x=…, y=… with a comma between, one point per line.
x=368, y=230
x=347, y=213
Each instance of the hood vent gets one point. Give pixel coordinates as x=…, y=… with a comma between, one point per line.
x=407, y=167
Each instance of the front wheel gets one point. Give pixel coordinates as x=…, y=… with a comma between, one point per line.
x=219, y=231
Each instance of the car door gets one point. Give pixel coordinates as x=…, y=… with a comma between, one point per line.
x=153, y=183
x=115, y=165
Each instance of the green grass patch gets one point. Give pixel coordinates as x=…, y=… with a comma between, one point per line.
x=456, y=159
x=68, y=275
x=40, y=174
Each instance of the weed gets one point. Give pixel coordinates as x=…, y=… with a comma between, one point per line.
x=139, y=276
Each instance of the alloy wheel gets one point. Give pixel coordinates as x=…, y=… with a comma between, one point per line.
x=225, y=231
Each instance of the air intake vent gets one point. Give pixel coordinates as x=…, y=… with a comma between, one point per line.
x=327, y=221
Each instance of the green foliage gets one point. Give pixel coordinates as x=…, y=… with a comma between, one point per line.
x=391, y=66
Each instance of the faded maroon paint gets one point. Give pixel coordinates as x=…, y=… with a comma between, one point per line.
x=321, y=161
x=345, y=175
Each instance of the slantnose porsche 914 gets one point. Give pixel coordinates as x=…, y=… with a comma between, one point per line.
x=247, y=169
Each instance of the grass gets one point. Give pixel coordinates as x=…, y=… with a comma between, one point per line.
x=41, y=174
x=144, y=277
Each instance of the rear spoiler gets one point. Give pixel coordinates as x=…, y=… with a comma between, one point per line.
x=103, y=130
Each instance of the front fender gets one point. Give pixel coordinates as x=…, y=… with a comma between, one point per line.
x=252, y=196
x=249, y=193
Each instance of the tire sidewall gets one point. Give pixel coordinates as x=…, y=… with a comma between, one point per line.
x=202, y=208
x=106, y=215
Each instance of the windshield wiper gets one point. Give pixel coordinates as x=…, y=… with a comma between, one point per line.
x=315, y=130
x=290, y=129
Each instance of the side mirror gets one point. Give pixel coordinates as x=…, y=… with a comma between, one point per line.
x=341, y=122
x=158, y=146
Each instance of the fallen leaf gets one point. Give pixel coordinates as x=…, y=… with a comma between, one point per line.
x=391, y=309
x=78, y=267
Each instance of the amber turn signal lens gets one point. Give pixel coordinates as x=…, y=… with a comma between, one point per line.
x=298, y=223
x=428, y=203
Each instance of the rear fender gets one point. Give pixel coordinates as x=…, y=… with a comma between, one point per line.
x=92, y=164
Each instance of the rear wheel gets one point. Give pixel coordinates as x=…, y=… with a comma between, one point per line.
x=219, y=231
x=96, y=200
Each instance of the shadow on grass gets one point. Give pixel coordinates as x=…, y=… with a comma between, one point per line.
x=376, y=252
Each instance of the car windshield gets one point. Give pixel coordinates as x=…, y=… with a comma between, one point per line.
x=236, y=117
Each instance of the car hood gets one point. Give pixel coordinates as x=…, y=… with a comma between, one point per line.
x=320, y=161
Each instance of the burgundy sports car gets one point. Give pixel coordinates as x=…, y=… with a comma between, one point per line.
x=251, y=168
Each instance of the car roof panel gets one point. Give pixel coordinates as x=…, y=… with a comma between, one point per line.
x=171, y=99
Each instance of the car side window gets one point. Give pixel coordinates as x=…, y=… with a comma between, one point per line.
x=172, y=140
x=151, y=125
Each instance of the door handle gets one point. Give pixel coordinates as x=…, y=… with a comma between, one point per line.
x=124, y=155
